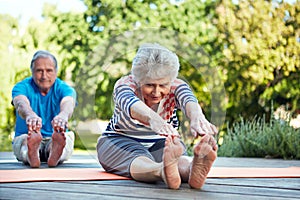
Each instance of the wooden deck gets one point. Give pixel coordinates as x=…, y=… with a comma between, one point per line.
x=215, y=188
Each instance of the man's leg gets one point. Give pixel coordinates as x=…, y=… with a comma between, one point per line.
x=20, y=148
x=68, y=149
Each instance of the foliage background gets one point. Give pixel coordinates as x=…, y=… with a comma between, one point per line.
x=238, y=56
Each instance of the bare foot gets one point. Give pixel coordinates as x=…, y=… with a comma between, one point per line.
x=205, y=153
x=33, y=143
x=56, y=149
x=172, y=151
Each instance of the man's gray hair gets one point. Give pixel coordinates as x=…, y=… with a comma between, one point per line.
x=155, y=62
x=43, y=54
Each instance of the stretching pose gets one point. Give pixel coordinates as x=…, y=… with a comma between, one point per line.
x=141, y=141
x=44, y=104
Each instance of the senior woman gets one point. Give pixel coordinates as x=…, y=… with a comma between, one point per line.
x=141, y=140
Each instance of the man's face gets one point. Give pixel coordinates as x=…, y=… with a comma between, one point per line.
x=44, y=74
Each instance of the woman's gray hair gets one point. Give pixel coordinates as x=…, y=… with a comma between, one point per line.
x=43, y=54
x=154, y=61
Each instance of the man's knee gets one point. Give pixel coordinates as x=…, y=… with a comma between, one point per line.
x=69, y=147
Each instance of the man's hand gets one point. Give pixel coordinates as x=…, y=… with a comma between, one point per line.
x=34, y=122
x=60, y=123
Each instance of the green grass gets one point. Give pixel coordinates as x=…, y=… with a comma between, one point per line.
x=86, y=141
x=258, y=138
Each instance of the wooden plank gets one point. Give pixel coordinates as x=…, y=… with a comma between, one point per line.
x=255, y=162
x=21, y=194
x=115, y=193
x=132, y=189
x=280, y=183
x=215, y=188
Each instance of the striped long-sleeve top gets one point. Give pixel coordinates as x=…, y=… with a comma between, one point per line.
x=126, y=93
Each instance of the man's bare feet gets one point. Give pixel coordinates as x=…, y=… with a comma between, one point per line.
x=205, y=153
x=172, y=151
x=56, y=149
x=33, y=143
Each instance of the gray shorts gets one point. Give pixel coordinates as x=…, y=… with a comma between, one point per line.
x=116, y=152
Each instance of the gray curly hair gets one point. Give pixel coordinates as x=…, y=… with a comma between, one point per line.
x=154, y=61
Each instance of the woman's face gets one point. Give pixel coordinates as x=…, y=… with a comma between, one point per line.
x=154, y=90
x=44, y=74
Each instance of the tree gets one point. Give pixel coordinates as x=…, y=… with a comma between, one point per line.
x=8, y=60
x=237, y=57
x=121, y=26
x=260, y=42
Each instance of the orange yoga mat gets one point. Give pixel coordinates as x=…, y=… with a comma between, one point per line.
x=56, y=174
x=79, y=174
x=232, y=172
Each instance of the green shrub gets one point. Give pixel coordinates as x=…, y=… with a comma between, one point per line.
x=258, y=138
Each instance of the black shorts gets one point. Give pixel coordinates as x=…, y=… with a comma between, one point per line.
x=116, y=152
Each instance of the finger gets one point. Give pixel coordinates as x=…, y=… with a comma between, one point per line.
x=28, y=122
x=162, y=132
x=166, y=129
x=29, y=127
x=214, y=129
x=174, y=133
x=212, y=142
x=62, y=128
x=198, y=131
x=206, y=128
x=38, y=125
x=60, y=123
x=34, y=124
x=55, y=125
x=194, y=133
x=54, y=122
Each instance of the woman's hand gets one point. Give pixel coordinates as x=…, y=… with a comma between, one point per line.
x=141, y=112
x=201, y=126
x=168, y=129
x=161, y=127
x=198, y=123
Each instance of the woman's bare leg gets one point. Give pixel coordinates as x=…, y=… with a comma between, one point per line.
x=145, y=169
x=184, y=164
